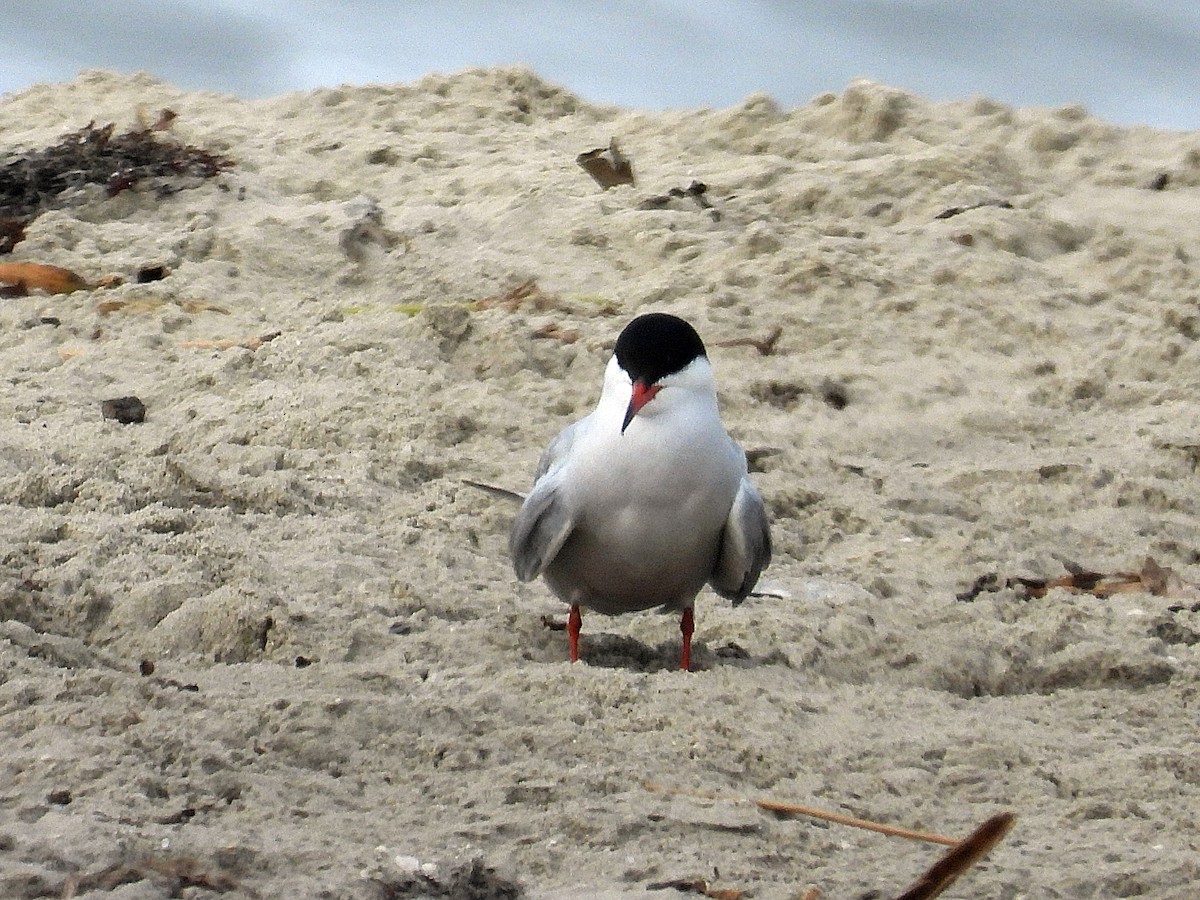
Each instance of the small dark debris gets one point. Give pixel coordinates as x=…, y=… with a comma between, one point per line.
x=1179, y=607
x=61, y=797
x=16, y=289
x=553, y=624
x=179, y=818
x=12, y=232
x=146, y=667
x=303, y=662
x=959, y=210
x=607, y=165
x=694, y=191
x=835, y=393
x=732, y=651
x=474, y=881
x=126, y=410
x=53, y=321
x=1160, y=181
x=1172, y=632
x=190, y=687
x=400, y=628
x=147, y=274
x=989, y=582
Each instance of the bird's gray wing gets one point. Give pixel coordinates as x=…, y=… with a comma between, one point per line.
x=543, y=522
x=745, y=548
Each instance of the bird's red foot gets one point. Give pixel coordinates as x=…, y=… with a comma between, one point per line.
x=574, y=624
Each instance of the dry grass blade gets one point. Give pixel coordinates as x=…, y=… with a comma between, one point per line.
x=795, y=809
x=554, y=331
x=248, y=343
x=503, y=493
x=955, y=862
x=764, y=346
x=697, y=886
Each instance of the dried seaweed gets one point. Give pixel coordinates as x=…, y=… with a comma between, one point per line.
x=179, y=872
x=34, y=181
x=1159, y=581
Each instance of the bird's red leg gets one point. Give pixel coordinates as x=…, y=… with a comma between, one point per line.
x=574, y=623
x=687, y=626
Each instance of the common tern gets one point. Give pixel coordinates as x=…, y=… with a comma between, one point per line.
x=646, y=499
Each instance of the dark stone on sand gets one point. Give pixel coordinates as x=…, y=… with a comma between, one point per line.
x=126, y=410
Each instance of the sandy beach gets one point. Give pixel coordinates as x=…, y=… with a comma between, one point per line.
x=267, y=642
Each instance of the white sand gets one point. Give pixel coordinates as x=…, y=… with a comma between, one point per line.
x=1021, y=389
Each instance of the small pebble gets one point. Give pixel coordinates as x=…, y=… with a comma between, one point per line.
x=126, y=410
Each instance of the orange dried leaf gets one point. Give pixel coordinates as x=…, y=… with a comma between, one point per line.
x=41, y=277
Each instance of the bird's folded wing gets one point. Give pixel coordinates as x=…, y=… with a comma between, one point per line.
x=745, y=548
x=539, y=530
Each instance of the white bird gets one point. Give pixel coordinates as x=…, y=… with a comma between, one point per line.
x=641, y=502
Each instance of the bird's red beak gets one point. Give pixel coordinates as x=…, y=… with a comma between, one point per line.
x=642, y=394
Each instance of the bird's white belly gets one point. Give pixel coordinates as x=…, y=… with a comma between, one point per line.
x=654, y=548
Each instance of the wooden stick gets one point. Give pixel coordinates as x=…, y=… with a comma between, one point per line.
x=965, y=854
x=793, y=809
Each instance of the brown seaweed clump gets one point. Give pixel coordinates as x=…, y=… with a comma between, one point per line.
x=34, y=181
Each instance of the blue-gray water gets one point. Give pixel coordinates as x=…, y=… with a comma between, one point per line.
x=1128, y=61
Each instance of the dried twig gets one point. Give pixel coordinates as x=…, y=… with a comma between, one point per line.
x=503, y=493
x=248, y=343
x=965, y=854
x=765, y=346
x=793, y=809
x=527, y=292
x=959, y=210
x=1159, y=581
x=556, y=332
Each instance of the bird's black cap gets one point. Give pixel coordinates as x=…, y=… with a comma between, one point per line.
x=655, y=345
